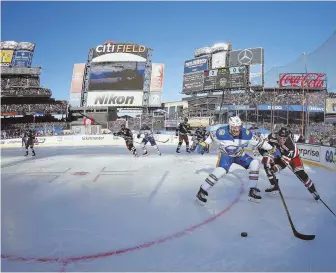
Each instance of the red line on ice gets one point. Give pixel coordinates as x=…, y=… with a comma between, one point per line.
x=65, y=261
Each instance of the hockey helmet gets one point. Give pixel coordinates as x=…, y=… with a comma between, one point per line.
x=283, y=135
x=235, y=121
x=283, y=132
x=235, y=124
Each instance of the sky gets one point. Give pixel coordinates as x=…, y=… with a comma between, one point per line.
x=64, y=32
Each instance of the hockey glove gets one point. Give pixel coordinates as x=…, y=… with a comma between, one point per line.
x=176, y=134
x=138, y=136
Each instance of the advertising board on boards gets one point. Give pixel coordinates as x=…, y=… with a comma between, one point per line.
x=310, y=152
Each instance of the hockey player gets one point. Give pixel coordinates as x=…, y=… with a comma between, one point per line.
x=182, y=131
x=198, y=136
x=255, y=130
x=288, y=154
x=28, y=140
x=127, y=135
x=232, y=139
x=147, y=133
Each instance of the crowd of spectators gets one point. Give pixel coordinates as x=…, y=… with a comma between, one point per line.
x=20, y=81
x=41, y=129
x=26, y=92
x=21, y=109
x=285, y=98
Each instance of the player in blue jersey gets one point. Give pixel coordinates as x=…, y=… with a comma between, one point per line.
x=233, y=139
x=147, y=133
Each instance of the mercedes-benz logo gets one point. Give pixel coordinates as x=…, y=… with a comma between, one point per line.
x=245, y=57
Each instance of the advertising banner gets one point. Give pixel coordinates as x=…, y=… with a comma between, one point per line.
x=197, y=122
x=117, y=76
x=171, y=123
x=155, y=99
x=247, y=56
x=295, y=108
x=303, y=80
x=331, y=105
x=6, y=57
x=22, y=58
x=256, y=75
x=193, y=82
x=123, y=51
x=157, y=77
x=218, y=60
x=195, y=65
x=77, y=78
x=236, y=107
x=118, y=98
x=310, y=152
x=232, y=77
x=75, y=99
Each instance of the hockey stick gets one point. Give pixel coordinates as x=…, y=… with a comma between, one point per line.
x=296, y=233
x=303, y=183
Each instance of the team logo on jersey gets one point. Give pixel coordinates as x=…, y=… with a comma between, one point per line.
x=247, y=132
x=221, y=132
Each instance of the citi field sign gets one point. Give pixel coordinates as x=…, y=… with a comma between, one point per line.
x=120, y=48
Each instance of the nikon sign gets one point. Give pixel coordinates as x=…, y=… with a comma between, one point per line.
x=118, y=98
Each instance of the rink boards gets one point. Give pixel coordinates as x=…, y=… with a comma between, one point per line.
x=320, y=156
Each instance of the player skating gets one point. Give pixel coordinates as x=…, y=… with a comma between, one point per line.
x=198, y=136
x=148, y=136
x=28, y=141
x=255, y=130
x=182, y=131
x=232, y=139
x=127, y=135
x=284, y=152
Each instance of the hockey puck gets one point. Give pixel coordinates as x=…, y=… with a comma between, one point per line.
x=243, y=234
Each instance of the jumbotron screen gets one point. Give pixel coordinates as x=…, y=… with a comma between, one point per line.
x=117, y=76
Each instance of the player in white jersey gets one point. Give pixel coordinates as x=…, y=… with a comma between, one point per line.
x=255, y=130
x=148, y=136
x=232, y=139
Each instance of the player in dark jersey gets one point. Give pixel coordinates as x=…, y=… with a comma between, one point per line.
x=127, y=135
x=285, y=152
x=182, y=131
x=28, y=141
x=198, y=136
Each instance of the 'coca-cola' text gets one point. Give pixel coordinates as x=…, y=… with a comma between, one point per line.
x=309, y=80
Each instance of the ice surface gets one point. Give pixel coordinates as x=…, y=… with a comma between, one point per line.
x=100, y=209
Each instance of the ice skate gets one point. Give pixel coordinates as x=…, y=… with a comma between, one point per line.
x=314, y=193
x=201, y=196
x=253, y=196
x=274, y=189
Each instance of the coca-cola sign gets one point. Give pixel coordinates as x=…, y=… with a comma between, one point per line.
x=301, y=80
